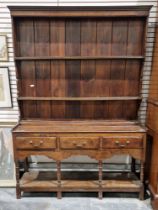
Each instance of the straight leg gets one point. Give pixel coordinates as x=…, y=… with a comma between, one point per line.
x=18, y=190
x=59, y=194
x=133, y=165
x=26, y=165
x=141, y=194
x=100, y=193
x=154, y=203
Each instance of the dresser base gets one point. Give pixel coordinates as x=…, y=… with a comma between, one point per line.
x=98, y=140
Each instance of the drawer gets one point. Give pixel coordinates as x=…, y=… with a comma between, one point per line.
x=122, y=142
x=79, y=142
x=35, y=142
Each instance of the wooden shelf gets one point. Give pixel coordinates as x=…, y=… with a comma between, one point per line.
x=79, y=126
x=78, y=57
x=121, y=98
x=45, y=181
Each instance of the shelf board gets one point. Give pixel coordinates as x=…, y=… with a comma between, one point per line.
x=78, y=126
x=78, y=57
x=45, y=181
x=121, y=98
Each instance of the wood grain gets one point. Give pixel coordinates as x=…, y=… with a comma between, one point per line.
x=25, y=38
x=76, y=68
x=43, y=80
x=57, y=38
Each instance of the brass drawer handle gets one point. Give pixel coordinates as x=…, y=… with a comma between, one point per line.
x=36, y=145
x=122, y=145
x=79, y=145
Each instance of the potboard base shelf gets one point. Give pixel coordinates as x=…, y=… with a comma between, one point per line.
x=113, y=182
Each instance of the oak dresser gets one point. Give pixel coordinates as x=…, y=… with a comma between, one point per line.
x=79, y=92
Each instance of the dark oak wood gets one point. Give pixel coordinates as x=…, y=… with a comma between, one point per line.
x=36, y=142
x=63, y=139
x=122, y=142
x=78, y=126
x=116, y=98
x=80, y=58
x=152, y=124
x=118, y=11
x=119, y=182
x=78, y=74
x=70, y=58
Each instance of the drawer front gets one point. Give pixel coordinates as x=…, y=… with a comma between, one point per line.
x=79, y=142
x=36, y=142
x=122, y=142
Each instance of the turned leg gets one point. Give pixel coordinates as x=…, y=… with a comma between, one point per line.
x=100, y=165
x=141, y=194
x=59, y=194
x=18, y=190
x=133, y=165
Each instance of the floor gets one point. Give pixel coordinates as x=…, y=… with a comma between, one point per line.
x=49, y=202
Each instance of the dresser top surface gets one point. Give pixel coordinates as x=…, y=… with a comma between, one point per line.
x=78, y=126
